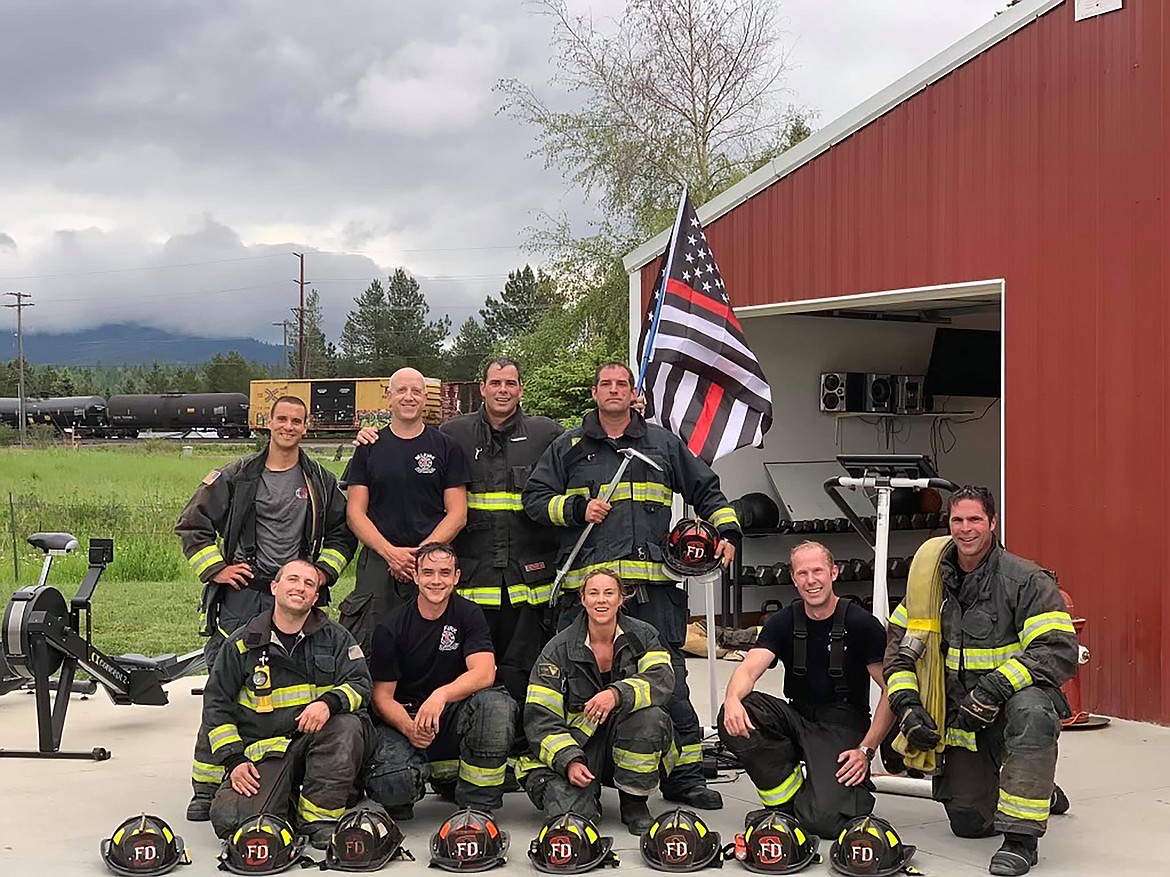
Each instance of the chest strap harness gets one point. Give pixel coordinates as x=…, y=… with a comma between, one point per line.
x=836, y=649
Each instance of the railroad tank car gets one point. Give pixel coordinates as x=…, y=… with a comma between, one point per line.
x=226, y=413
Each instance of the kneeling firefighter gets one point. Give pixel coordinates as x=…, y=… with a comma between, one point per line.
x=595, y=712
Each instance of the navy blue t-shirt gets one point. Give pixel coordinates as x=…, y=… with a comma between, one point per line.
x=406, y=479
x=422, y=655
x=865, y=644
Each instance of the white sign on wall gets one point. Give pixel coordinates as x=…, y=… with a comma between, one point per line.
x=1089, y=8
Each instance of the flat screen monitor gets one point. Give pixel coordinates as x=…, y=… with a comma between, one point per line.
x=964, y=362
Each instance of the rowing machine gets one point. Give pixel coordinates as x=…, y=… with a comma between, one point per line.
x=41, y=636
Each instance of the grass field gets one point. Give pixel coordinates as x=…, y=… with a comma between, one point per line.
x=147, y=599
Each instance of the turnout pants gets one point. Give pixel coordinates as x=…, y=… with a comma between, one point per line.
x=235, y=609
x=791, y=757
x=1005, y=784
x=665, y=607
x=468, y=755
x=626, y=752
x=374, y=595
x=518, y=634
x=313, y=782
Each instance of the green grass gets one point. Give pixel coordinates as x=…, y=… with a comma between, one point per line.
x=148, y=599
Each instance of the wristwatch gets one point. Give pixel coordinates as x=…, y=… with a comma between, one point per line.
x=866, y=751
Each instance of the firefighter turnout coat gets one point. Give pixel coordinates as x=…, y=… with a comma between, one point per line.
x=566, y=677
x=1006, y=629
x=500, y=543
x=224, y=506
x=252, y=711
x=579, y=465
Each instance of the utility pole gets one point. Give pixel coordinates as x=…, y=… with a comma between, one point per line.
x=286, y=366
x=20, y=304
x=300, y=312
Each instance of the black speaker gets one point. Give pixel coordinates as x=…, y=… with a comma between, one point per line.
x=833, y=391
x=880, y=393
x=910, y=398
x=843, y=391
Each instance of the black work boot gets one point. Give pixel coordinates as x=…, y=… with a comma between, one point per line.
x=401, y=812
x=698, y=796
x=1060, y=802
x=635, y=814
x=319, y=834
x=199, y=810
x=1016, y=856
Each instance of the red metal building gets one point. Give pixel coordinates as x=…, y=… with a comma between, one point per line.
x=1036, y=151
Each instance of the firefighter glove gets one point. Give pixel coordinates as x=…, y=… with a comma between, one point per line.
x=919, y=728
x=977, y=711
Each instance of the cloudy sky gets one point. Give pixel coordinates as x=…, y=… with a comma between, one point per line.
x=162, y=159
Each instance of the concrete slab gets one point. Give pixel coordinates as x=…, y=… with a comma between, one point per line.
x=55, y=813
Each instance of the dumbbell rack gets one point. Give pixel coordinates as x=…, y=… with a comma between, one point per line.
x=849, y=569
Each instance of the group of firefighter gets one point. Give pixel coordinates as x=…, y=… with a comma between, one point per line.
x=451, y=666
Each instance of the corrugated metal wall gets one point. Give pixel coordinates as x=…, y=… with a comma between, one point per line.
x=1042, y=161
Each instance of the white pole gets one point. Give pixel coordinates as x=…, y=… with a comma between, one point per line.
x=712, y=689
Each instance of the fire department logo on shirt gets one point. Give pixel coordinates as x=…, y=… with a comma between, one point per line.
x=425, y=464
x=447, y=642
x=302, y=493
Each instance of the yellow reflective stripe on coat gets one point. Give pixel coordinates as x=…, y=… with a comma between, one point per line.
x=310, y=812
x=642, y=491
x=525, y=764
x=550, y=699
x=292, y=695
x=1017, y=675
x=578, y=722
x=261, y=749
x=723, y=517
x=782, y=793
x=982, y=659
x=240, y=647
x=630, y=570
x=960, y=739
x=554, y=743
x=223, y=735
x=445, y=769
x=556, y=510
x=535, y=595
x=636, y=762
x=900, y=617
x=652, y=659
x=349, y=693
x=690, y=753
x=640, y=688
x=482, y=595
x=482, y=776
x=1033, y=809
x=333, y=559
x=205, y=558
x=1045, y=622
x=903, y=680
x=495, y=501
x=202, y=772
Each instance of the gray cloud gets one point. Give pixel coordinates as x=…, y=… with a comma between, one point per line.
x=225, y=134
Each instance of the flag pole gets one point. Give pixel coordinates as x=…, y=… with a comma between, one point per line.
x=653, y=331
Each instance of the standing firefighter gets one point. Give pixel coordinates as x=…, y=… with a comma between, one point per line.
x=285, y=712
x=595, y=712
x=265, y=510
x=628, y=532
x=506, y=560
x=407, y=489
x=1008, y=645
